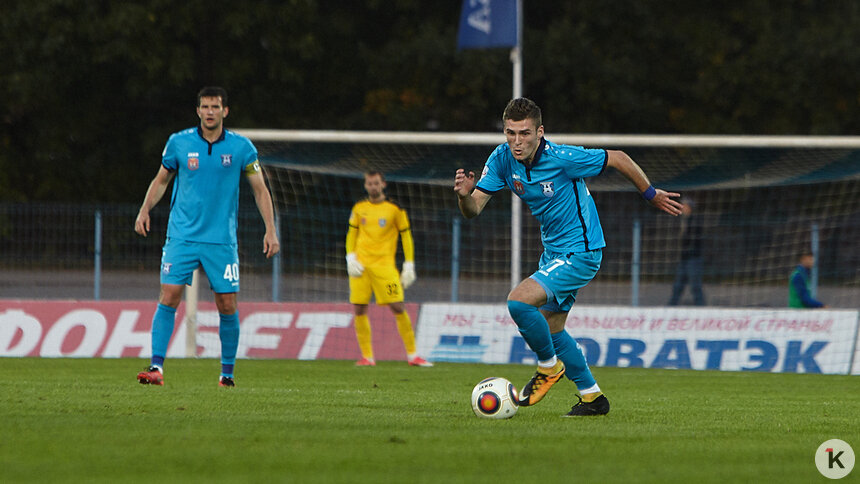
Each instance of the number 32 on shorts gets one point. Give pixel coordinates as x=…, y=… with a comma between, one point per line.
x=231, y=272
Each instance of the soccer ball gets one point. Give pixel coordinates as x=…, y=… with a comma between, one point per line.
x=495, y=397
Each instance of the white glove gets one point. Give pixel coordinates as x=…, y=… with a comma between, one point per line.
x=353, y=266
x=407, y=275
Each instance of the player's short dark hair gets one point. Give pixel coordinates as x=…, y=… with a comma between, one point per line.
x=374, y=173
x=213, y=91
x=522, y=108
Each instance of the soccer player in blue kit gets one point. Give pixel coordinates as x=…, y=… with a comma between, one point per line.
x=208, y=162
x=549, y=178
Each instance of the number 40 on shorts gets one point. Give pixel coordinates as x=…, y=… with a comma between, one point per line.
x=231, y=272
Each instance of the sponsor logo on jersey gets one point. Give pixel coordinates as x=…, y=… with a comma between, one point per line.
x=548, y=190
x=226, y=160
x=165, y=268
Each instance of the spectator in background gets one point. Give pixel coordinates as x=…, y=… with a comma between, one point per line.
x=799, y=295
x=691, y=265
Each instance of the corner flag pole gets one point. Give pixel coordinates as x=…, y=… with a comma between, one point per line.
x=516, y=204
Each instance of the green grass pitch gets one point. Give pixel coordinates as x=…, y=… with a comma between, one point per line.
x=88, y=420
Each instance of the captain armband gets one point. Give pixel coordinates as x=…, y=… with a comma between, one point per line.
x=253, y=168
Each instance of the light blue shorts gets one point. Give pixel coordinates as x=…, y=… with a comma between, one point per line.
x=220, y=262
x=561, y=276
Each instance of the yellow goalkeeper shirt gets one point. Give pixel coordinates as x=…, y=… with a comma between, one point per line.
x=373, y=232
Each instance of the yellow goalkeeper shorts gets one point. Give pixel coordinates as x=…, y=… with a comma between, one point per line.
x=383, y=281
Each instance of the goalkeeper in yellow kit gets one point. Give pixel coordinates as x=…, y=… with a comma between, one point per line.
x=371, y=242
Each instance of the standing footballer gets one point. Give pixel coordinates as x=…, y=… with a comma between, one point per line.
x=207, y=162
x=550, y=179
x=375, y=223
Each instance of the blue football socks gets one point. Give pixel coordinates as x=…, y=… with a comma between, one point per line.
x=534, y=328
x=571, y=355
x=228, y=331
x=162, y=329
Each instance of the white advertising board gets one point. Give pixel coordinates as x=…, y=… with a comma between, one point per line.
x=789, y=341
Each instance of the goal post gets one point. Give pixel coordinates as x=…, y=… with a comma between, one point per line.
x=763, y=199
x=192, y=296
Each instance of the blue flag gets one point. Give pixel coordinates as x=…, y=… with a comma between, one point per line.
x=487, y=23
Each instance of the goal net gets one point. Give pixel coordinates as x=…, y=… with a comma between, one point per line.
x=760, y=202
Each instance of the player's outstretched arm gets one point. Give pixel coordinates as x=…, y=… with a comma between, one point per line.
x=156, y=190
x=263, y=199
x=471, y=201
x=660, y=199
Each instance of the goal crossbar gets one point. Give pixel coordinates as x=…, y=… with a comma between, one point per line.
x=461, y=138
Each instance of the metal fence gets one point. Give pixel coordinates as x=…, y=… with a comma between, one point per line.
x=76, y=251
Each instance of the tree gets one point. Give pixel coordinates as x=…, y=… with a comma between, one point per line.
x=91, y=94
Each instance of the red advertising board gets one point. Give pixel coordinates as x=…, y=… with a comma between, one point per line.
x=122, y=329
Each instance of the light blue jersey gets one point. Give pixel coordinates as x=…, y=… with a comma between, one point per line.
x=206, y=187
x=554, y=190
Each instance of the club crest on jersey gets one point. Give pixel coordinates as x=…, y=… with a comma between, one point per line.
x=226, y=160
x=519, y=188
x=382, y=222
x=193, y=162
x=547, y=189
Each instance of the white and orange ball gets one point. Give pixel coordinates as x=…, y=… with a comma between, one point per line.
x=495, y=397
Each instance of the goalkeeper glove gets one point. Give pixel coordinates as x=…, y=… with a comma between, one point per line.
x=353, y=266
x=407, y=275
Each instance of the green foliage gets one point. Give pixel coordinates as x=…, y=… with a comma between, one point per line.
x=91, y=90
x=87, y=420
